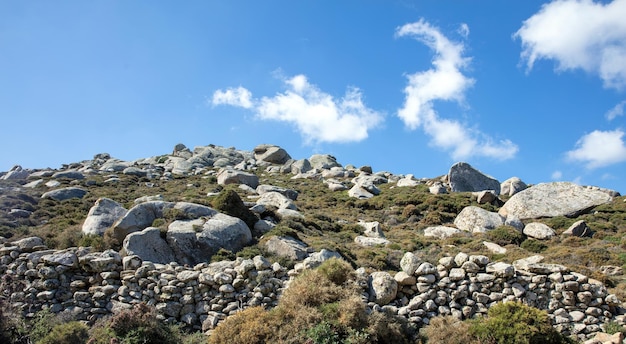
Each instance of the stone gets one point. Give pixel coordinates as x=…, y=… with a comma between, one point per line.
x=263, y=226
x=477, y=220
x=21, y=213
x=68, y=175
x=134, y=171
x=15, y=173
x=495, y=248
x=288, y=213
x=611, y=270
x=438, y=189
x=372, y=229
x=65, y=193
x=286, y=246
x=102, y=215
x=276, y=200
x=442, y=232
x=500, y=269
x=407, y=181
x=139, y=217
x=149, y=246
x=33, y=184
x=486, y=196
x=301, y=166
x=231, y=176
x=579, y=229
x=539, y=231
x=271, y=154
x=404, y=279
x=464, y=178
x=370, y=242
x=315, y=259
x=323, y=161
x=409, y=263
x=554, y=199
x=512, y=186
x=289, y=193
x=28, y=244
x=52, y=184
x=382, y=288
x=425, y=268
x=68, y=259
x=360, y=193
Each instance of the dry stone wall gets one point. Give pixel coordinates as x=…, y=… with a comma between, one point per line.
x=90, y=285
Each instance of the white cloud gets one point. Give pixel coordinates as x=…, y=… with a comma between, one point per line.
x=316, y=114
x=464, y=30
x=617, y=110
x=599, y=148
x=444, y=81
x=556, y=175
x=239, y=96
x=579, y=34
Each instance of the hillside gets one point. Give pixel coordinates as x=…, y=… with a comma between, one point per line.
x=216, y=204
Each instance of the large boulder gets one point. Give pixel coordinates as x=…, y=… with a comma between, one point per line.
x=65, y=193
x=554, y=199
x=270, y=153
x=442, y=232
x=477, y=220
x=323, y=161
x=464, y=178
x=139, y=217
x=69, y=175
x=102, y=215
x=538, y=231
x=15, y=173
x=289, y=193
x=202, y=238
x=382, y=287
x=286, y=246
x=231, y=176
x=277, y=200
x=579, y=229
x=149, y=246
x=512, y=186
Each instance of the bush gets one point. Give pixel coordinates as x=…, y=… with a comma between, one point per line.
x=229, y=202
x=450, y=330
x=505, y=235
x=534, y=246
x=516, y=323
x=336, y=270
x=72, y=332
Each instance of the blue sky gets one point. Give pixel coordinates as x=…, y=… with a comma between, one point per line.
x=533, y=89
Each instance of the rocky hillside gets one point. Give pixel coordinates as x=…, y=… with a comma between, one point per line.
x=101, y=235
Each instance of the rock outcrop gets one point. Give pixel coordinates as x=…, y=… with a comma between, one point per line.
x=464, y=178
x=102, y=215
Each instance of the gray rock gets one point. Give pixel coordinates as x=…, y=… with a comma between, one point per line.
x=407, y=181
x=135, y=171
x=276, y=200
x=372, y=229
x=323, y=161
x=149, y=246
x=464, y=178
x=28, y=244
x=33, y=184
x=65, y=193
x=288, y=213
x=512, y=186
x=539, y=231
x=102, y=215
x=68, y=259
x=52, y=183
x=143, y=199
x=442, y=232
x=301, y=166
x=231, y=176
x=554, y=199
x=286, y=246
x=193, y=210
x=370, y=242
x=360, y=193
x=437, y=189
x=139, y=217
x=382, y=287
x=409, y=263
x=263, y=226
x=16, y=173
x=500, y=269
x=486, y=196
x=579, y=229
x=316, y=259
x=495, y=248
x=289, y=193
x=270, y=153
x=21, y=213
x=477, y=220
x=69, y=175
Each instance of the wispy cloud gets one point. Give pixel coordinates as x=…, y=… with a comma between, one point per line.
x=316, y=115
x=446, y=82
x=556, y=175
x=616, y=111
x=239, y=96
x=599, y=149
x=579, y=34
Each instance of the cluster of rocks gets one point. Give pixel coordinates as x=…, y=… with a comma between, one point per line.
x=465, y=286
x=89, y=285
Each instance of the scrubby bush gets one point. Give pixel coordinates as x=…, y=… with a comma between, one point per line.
x=505, y=235
x=449, y=330
x=229, y=202
x=516, y=323
x=534, y=246
x=73, y=332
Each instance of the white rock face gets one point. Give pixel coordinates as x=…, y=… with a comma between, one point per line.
x=65, y=193
x=149, y=246
x=370, y=242
x=495, y=248
x=382, y=287
x=270, y=153
x=231, y=176
x=102, y=215
x=539, y=231
x=477, y=220
x=512, y=186
x=554, y=199
x=277, y=200
x=409, y=263
x=442, y=232
x=372, y=229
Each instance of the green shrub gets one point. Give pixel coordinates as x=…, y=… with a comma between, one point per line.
x=516, y=323
x=229, y=202
x=222, y=254
x=41, y=325
x=449, y=330
x=505, y=235
x=534, y=246
x=336, y=270
x=73, y=332
x=613, y=327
